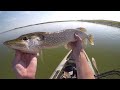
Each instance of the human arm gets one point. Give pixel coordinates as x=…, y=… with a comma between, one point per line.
x=84, y=70
x=25, y=65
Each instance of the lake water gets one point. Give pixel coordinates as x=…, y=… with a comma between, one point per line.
x=106, y=50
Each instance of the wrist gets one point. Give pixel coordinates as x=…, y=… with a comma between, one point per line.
x=77, y=54
x=27, y=77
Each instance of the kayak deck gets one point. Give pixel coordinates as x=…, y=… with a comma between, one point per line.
x=67, y=68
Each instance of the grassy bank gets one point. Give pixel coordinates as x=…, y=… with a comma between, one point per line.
x=104, y=22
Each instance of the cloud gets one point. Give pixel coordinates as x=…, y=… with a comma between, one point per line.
x=0, y=12
x=10, y=19
x=26, y=12
x=69, y=15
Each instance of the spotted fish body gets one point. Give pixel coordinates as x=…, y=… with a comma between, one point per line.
x=61, y=38
x=34, y=42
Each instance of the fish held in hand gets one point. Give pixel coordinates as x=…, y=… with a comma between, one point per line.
x=34, y=42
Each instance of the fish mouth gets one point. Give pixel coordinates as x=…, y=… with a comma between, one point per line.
x=14, y=43
x=9, y=43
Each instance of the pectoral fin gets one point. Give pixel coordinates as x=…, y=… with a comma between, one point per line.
x=67, y=46
x=38, y=54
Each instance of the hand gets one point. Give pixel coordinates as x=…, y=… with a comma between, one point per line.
x=76, y=46
x=25, y=65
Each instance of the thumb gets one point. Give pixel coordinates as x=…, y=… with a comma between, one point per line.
x=77, y=37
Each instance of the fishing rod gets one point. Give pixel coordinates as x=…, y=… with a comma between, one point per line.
x=40, y=24
x=99, y=75
x=107, y=73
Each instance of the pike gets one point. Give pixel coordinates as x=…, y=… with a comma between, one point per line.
x=36, y=41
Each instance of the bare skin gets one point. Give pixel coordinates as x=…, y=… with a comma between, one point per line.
x=84, y=71
x=25, y=65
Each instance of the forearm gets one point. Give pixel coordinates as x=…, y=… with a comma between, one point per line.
x=84, y=70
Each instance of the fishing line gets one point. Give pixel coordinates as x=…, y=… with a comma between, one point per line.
x=40, y=24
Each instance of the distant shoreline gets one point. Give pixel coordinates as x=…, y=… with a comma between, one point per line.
x=104, y=22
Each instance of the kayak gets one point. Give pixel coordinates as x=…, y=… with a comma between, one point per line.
x=67, y=68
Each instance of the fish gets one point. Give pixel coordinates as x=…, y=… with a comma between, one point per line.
x=36, y=41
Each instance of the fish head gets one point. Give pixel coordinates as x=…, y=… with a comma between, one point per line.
x=29, y=43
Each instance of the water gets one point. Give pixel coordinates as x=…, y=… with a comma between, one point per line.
x=106, y=49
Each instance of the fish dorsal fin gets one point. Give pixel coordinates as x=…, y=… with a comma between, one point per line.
x=82, y=29
x=34, y=33
x=42, y=33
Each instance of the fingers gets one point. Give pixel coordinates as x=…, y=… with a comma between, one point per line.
x=21, y=71
x=33, y=61
x=77, y=37
x=32, y=65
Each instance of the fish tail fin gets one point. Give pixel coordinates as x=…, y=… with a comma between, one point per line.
x=91, y=39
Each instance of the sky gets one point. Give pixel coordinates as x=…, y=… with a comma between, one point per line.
x=13, y=19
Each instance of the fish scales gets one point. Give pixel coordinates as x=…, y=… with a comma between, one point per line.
x=34, y=42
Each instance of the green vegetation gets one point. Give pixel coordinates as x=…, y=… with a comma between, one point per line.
x=104, y=22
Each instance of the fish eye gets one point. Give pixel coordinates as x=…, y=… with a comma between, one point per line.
x=24, y=38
